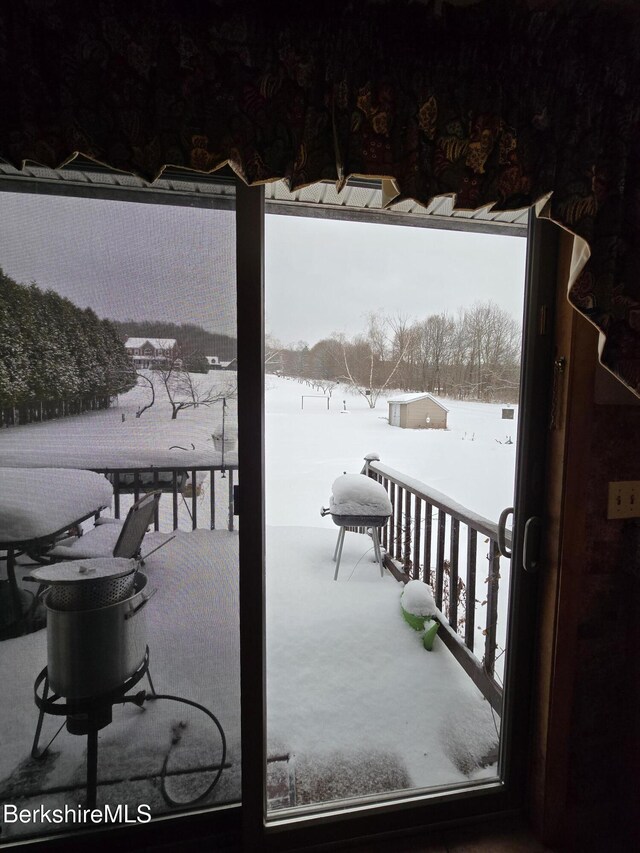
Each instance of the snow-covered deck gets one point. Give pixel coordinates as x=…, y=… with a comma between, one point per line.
x=354, y=701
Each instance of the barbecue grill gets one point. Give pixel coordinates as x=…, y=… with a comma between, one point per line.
x=358, y=501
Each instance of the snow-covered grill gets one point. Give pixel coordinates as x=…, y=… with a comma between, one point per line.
x=358, y=501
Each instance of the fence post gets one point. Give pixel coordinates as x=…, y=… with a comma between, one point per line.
x=368, y=459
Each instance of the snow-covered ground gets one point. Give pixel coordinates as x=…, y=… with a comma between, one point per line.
x=308, y=448
x=347, y=678
x=472, y=462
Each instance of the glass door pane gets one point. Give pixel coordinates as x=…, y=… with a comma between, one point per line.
x=118, y=380
x=392, y=357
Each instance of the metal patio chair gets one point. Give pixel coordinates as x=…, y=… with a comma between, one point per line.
x=112, y=537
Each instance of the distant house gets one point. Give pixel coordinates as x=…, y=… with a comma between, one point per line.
x=151, y=352
x=215, y=363
x=417, y=411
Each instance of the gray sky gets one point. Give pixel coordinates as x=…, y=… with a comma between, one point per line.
x=125, y=260
x=157, y=262
x=324, y=276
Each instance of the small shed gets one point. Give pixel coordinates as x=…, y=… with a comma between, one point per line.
x=417, y=411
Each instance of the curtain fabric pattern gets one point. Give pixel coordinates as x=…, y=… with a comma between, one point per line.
x=498, y=102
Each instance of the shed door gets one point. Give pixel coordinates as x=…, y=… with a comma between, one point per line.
x=394, y=416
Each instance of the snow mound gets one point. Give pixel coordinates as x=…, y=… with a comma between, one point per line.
x=417, y=599
x=470, y=736
x=357, y=494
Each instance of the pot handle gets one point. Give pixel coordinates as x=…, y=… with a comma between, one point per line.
x=137, y=609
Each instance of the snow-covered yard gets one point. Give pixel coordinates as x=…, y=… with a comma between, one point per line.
x=355, y=703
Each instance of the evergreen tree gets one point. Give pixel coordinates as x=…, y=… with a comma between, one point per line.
x=52, y=350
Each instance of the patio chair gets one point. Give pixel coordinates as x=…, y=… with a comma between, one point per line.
x=112, y=537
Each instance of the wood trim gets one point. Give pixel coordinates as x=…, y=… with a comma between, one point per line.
x=565, y=520
x=250, y=300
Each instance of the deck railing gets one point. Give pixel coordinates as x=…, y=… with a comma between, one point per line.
x=436, y=540
x=207, y=492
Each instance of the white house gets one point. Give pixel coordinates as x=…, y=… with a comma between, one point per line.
x=151, y=352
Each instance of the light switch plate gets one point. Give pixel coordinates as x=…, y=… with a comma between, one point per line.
x=624, y=499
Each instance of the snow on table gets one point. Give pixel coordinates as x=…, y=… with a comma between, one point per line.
x=36, y=502
x=357, y=494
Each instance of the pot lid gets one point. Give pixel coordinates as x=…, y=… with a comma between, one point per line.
x=72, y=571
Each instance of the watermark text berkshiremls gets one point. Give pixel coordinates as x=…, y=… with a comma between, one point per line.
x=77, y=814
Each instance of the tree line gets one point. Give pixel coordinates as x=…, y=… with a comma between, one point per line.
x=50, y=349
x=472, y=355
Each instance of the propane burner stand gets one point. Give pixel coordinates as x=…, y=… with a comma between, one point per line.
x=86, y=716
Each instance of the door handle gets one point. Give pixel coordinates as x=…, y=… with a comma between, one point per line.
x=502, y=532
x=531, y=545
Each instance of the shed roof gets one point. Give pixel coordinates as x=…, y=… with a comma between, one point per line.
x=411, y=398
x=157, y=343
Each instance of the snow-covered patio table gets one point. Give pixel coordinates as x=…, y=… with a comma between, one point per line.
x=38, y=504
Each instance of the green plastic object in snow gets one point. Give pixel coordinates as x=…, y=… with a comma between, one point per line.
x=416, y=622
x=430, y=634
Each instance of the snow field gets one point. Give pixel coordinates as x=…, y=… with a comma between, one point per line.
x=470, y=462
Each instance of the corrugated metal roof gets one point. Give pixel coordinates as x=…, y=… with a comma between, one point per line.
x=360, y=200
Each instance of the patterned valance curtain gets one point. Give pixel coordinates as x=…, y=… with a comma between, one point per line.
x=498, y=102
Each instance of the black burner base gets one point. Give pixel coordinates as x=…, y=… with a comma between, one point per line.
x=84, y=722
x=86, y=717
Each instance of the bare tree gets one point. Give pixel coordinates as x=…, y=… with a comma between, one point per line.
x=432, y=351
x=488, y=347
x=369, y=361
x=184, y=391
x=143, y=379
x=273, y=350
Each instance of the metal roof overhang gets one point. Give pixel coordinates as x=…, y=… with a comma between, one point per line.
x=360, y=200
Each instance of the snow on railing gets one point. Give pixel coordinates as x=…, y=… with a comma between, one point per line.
x=205, y=491
x=423, y=535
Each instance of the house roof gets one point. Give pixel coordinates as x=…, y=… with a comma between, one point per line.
x=156, y=343
x=411, y=398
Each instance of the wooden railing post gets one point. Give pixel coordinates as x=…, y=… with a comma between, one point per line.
x=442, y=522
x=492, y=607
x=230, y=475
x=212, y=499
x=407, y=532
x=416, y=538
x=428, y=534
x=470, y=610
x=453, y=573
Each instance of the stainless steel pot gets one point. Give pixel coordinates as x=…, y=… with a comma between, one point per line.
x=91, y=652
x=87, y=584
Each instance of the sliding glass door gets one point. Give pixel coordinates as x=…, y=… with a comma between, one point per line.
x=399, y=401
x=347, y=628
x=118, y=333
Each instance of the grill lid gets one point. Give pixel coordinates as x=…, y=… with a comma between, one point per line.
x=73, y=572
